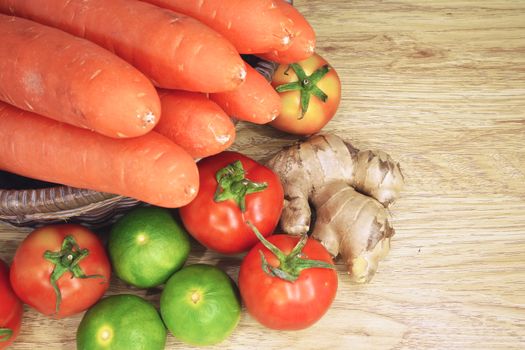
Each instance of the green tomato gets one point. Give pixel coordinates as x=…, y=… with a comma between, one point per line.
x=200, y=305
x=121, y=322
x=147, y=246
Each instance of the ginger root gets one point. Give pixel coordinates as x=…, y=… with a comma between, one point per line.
x=350, y=191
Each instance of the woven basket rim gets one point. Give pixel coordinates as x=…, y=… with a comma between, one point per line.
x=51, y=199
x=63, y=213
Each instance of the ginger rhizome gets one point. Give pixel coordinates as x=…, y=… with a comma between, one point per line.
x=350, y=191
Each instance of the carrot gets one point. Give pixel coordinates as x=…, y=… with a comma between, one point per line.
x=150, y=168
x=255, y=100
x=66, y=78
x=173, y=50
x=253, y=26
x=303, y=38
x=195, y=123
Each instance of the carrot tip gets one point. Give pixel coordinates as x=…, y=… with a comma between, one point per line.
x=242, y=74
x=220, y=138
x=148, y=119
x=190, y=190
x=223, y=139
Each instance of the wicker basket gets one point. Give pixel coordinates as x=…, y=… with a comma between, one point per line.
x=36, y=207
x=57, y=204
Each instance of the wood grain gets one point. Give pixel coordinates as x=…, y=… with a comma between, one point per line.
x=440, y=85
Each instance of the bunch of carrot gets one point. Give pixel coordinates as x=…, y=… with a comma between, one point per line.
x=122, y=96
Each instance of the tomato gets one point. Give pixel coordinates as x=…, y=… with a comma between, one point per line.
x=233, y=189
x=310, y=93
x=60, y=270
x=11, y=309
x=280, y=294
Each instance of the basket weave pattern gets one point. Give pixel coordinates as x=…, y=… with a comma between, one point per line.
x=35, y=207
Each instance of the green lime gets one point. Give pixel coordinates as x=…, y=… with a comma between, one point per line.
x=147, y=246
x=121, y=322
x=200, y=305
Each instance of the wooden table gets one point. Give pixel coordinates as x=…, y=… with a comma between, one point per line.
x=440, y=85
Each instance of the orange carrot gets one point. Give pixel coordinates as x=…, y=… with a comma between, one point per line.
x=195, y=123
x=70, y=79
x=174, y=50
x=253, y=26
x=150, y=168
x=303, y=38
x=255, y=100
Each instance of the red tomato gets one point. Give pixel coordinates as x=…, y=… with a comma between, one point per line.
x=280, y=304
x=303, y=86
x=73, y=256
x=10, y=309
x=221, y=225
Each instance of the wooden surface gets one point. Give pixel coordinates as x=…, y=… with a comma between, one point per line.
x=440, y=85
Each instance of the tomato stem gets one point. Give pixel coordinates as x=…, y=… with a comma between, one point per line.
x=5, y=334
x=233, y=184
x=67, y=260
x=291, y=265
x=307, y=85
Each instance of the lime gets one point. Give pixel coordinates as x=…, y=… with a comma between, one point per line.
x=121, y=322
x=147, y=246
x=200, y=305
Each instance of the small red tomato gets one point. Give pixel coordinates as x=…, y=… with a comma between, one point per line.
x=60, y=270
x=287, y=282
x=233, y=189
x=11, y=309
x=310, y=93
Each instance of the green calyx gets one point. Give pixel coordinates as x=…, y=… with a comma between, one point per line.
x=67, y=260
x=5, y=334
x=291, y=265
x=232, y=184
x=307, y=85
